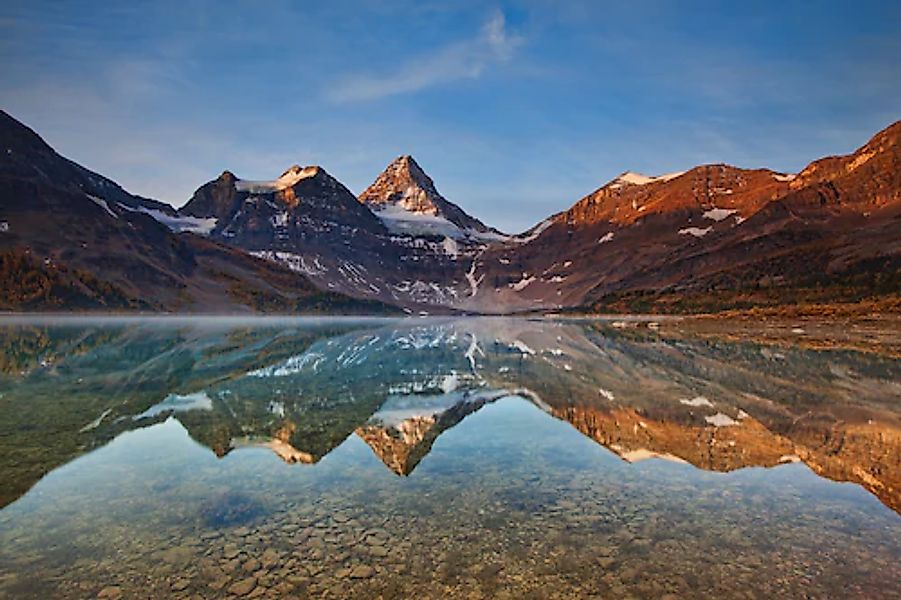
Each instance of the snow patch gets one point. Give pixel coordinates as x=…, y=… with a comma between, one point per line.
x=449, y=383
x=178, y=403
x=698, y=232
x=96, y=422
x=721, y=420
x=288, y=179
x=522, y=347
x=489, y=236
x=102, y=204
x=470, y=353
x=632, y=178
x=784, y=177
x=402, y=221
x=607, y=237
x=697, y=401
x=450, y=247
x=535, y=232
x=471, y=278
x=718, y=214
x=426, y=292
x=633, y=456
x=522, y=283
x=295, y=262
x=179, y=224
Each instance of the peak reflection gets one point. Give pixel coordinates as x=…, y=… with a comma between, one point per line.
x=301, y=391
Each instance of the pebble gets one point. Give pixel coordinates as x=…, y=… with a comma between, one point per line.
x=243, y=587
x=180, y=584
x=218, y=582
x=270, y=558
x=112, y=592
x=251, y=565
x=362, y=572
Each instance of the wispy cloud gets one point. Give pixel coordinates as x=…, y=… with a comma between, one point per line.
x=467, y=59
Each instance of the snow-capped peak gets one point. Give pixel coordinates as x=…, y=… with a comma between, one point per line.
x=632, y=178
x=784, y=176
x=406, y=200
x=403, y=184
x=287, y=179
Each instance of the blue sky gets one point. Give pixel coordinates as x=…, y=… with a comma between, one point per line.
x=516, y=109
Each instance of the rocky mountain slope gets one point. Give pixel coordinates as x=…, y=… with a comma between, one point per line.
x=72, y=239
x=714, y=237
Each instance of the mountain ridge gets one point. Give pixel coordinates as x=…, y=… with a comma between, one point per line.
x=73, y=239
x=710, y=238
x=717, y=237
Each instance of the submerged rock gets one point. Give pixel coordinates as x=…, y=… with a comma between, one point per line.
x=112, y=592
x=362, y=572
x=243, y=587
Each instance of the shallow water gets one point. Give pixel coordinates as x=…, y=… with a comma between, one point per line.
x=441, y=458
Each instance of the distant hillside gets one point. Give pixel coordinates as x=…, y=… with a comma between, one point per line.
x=73, y=240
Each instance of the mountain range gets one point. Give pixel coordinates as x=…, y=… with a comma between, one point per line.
x=711, y=238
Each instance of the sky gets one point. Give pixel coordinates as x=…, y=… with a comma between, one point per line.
x=515, y=108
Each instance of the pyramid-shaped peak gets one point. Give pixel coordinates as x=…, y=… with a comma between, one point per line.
x=405, y=167
x=404, y=182
x=404, y=191
x=405, y=160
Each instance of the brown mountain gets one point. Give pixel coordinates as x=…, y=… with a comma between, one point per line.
x=713, y=237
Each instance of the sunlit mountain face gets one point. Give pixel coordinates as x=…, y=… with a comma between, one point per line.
x=273, y=418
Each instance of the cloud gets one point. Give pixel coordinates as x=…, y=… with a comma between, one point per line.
x=464, y=60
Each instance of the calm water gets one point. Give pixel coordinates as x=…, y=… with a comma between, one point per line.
x=508, y=458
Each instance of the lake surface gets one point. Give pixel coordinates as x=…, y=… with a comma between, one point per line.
x=435, y=458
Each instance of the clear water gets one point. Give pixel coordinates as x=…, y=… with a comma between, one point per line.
x=472, y=458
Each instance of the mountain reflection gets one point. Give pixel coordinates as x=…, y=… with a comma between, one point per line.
x=301, y=388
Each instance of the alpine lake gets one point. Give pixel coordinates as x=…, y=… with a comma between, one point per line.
x=227, y=457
